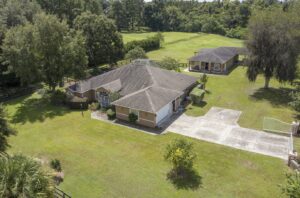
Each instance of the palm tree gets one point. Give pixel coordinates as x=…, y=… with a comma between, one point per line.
x=23, y=177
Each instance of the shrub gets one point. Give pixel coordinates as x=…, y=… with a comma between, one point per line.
x=94, y=106
x=151, y=43
x=180, y=154
x=136, y=53
x=170, y=64
x=58, y=97
x=132, y=117
x=197, y=95
x=292, y=187
x=55, y=164
x=238, y=33
x=203, y=80
x=111, y=114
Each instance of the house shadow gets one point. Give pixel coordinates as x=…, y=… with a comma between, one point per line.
x=36, y=109
x=190, y=180
x=276, y=96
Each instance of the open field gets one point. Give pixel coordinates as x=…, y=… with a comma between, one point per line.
x=233, y=91
x=181, y=45
x=104, y=160
x=236, y=92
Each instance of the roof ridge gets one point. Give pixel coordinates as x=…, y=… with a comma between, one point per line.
x=149, y=99
x=151, y=75
x=133, y=93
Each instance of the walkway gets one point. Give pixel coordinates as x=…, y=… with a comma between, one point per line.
x=220, y=126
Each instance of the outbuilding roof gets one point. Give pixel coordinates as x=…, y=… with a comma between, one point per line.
x=218, y=55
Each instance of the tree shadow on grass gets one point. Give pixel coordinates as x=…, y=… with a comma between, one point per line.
x=36, y=109
x=277, y=97
x=189, y=180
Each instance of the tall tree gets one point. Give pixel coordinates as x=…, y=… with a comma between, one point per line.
x=103, y=43
x=24, y=177
x=46, y=51
x=5, y=129
x=16, y=12
x=134, y=12
x=272, y=46
x=118, y=13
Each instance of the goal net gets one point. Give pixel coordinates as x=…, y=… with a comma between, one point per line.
x=277, y=126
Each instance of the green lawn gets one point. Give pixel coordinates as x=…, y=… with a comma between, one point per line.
x=232, y=91
x=236, y=92
x=103, y=160
x=181, y=45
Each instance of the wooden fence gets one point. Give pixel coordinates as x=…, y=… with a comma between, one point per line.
x=60, y=194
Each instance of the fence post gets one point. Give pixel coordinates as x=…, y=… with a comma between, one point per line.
x=295, y=127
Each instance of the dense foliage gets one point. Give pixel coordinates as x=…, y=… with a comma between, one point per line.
x=148, y=44
x=45, y=51
x=136, y=53
x=228, y=18
x=273, y=45
x=103, y=43
x=292, y=187
x=169, y=64
x=5, y=129
x=24, y=177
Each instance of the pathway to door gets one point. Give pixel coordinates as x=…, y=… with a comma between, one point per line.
x=220, y=126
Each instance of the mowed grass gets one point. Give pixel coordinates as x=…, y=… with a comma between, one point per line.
x=100, y=159
x=236, y=92
x=181, y=45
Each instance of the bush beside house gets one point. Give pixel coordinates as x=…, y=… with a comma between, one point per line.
x=111, y=114
x=197, y=95
x=132, y=117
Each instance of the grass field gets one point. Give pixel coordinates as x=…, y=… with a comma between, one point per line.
x=181, y=45
x=104, y=160
x=233, y=91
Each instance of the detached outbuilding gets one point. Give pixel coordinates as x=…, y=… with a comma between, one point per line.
x=152, y=93
x=216, y=60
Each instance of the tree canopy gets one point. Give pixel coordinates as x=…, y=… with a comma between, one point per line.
x=5, y=129
x=45, y=51
x=103, y=43
x=273, y=47
x=136, y=53
x=24, y=177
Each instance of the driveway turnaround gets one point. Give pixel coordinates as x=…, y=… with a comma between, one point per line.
x=220, y=126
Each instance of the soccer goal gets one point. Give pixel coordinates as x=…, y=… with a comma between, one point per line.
x=277, y=126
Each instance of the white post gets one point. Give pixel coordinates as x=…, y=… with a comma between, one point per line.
x=295, y=127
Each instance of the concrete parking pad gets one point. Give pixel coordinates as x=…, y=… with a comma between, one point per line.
x=220, y=126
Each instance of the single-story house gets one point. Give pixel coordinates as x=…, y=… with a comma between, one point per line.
x=216, y=60
x=152, y=93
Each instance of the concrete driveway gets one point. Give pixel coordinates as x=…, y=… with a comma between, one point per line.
x=220, y=126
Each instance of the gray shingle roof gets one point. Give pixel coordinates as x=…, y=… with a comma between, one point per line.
x=142, y=86
x=150, y=99
x=217, y=55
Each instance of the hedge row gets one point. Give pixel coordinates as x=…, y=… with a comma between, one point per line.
x=151, y=43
